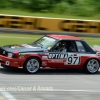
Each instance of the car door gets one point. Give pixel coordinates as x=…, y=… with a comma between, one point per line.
x=84, y=51
x=70, y=58
x=56, y=59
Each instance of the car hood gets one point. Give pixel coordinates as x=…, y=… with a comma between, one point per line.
x=22, y=48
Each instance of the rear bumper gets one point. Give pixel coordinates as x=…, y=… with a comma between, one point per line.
x=13, y=62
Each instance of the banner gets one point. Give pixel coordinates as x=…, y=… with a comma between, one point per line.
x=49, y=24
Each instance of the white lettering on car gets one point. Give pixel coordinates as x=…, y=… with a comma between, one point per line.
x=57, y=56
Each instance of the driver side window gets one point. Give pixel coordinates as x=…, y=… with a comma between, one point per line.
x=60, y=47
x=65, y=46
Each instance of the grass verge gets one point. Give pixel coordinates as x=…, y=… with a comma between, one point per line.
x=6, y=39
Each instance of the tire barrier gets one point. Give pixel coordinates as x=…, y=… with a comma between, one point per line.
x=49, y=24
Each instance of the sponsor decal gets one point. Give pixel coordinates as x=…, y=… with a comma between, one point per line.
x=67, y=59
x=24, y=45
x=44, y=57
x=57, y=56
x=27, y=46
x=15, y=46
x=7, y=63
x=56, y=61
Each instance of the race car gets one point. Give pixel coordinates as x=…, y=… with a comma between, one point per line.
x=46, y=53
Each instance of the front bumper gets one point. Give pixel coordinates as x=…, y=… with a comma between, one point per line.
x=12, y=62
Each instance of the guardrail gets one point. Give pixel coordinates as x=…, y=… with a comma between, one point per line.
x=49, y=24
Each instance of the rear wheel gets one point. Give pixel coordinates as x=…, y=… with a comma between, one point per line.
x=32, y=65
x=92, y=66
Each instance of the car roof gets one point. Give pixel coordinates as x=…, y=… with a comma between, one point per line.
x=64, y=37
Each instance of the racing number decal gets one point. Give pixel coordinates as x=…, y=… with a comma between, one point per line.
x=70, y=58
x=73, y=60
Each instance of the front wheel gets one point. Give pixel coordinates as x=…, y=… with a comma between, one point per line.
x=92, y=66
x=32, y=65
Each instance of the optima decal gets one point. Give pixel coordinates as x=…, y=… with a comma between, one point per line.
x=57, y=56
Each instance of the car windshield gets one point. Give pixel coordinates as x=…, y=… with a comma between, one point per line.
x=45, y=42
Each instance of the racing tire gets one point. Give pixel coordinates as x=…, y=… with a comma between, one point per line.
x=91, y=66
x=32, y=65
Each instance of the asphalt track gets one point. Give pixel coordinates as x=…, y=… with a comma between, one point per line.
x=49, y=84
x=21, y=31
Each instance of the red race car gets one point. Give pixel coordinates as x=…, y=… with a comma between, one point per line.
x=51, y=51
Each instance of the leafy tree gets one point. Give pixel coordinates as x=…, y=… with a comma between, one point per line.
x=82, y=8
x=38, y=5
x=71, y=2
x=62, y=8
x=18, y=3
x=4, y=4
x=71, y=7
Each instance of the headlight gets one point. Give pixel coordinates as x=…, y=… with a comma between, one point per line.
x=10, y=55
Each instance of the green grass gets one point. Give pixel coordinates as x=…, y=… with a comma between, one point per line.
x=92, y=41
x=27, y=13
x=7, y=38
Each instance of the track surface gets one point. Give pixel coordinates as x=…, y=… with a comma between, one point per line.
x=49, y=84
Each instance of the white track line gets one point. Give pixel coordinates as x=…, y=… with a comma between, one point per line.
x=61, y=90
x=7, y=95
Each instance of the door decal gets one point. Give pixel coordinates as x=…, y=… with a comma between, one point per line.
x=73, y=59
x=57, y=56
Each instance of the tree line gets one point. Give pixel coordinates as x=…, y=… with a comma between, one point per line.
x=66, y=7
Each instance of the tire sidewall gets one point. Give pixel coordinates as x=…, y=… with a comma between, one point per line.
x=25, y=65
x=87, y=70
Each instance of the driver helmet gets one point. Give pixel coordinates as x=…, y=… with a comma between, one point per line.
x=63, y=44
